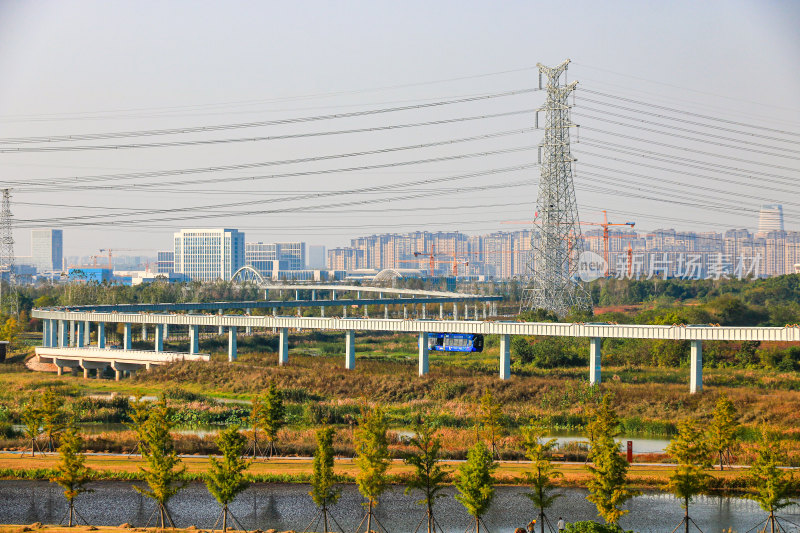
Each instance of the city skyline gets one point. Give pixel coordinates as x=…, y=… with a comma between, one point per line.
x=368, y=130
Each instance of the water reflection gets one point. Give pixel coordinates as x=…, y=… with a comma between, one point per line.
x=288, y=506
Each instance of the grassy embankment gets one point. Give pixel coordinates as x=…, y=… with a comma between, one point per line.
x=299, y=470
x=319, y=390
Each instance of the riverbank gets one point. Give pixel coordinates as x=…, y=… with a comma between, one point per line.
x=298, y=470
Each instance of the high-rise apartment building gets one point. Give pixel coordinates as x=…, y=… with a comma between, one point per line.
x=770, y=219
x=47, y=249
x=316, y=257
x=208, y=254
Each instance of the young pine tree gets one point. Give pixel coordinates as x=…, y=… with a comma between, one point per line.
x=608, y=486
x=474, y=482
x=491, y=417
x=372, y=457
x=256, y=416
x=50, y=404
x=429, y=476
x=722, y=432
x=542, y=470
x=72, y=474
x=274, y=416
x=323, y=489
x=773, y=485
x=692, y=453
x=226, y=478
x=163, y=471
x=32, y=422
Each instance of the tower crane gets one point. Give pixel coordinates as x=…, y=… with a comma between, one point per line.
x=605, y=224
x=110, y=250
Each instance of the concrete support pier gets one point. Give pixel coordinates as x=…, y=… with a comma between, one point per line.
x=101, y=334
x=423, y=354
x=231, y=343
x=249, y=330
x=80, y=336
x=283, y=346
x=53, y=331
x=99, y=366
x=144, y=332
x=158, y=338
x=194, y=339
x=119, y=368
x=127, y=340
x=87, y=333
x=505, y=356
x=45, y=334
x=71, y=341
x=350, y=349
x=696, y=370
x=595, y=344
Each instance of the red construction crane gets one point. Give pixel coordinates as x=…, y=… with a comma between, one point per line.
x=433, y=259
x=605, y=224
x=431, y=255
x=110, y=265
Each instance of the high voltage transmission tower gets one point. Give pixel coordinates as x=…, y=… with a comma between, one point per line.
x=7, y=254
x=556, y=237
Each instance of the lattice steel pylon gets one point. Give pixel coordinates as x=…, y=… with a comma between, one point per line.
x=556, y=238
x=7, y=254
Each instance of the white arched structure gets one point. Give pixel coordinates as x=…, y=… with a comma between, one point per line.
x=248, y=274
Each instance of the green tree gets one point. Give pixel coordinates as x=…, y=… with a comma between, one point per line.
x=10, y=331
x=608, y=488
x=773, y=485
x=491, y=418
x=690, y=449
x=722, y=431
x=139, y=412
x=163, y=471
x=429, y=476
x=323, y=489
x=256, y=417
x=274, y=416
x=50, y=404
x=542, y=470
x=372, y=458
x=474, y=482
x=226, y=478
x=72, y=474
x=32, y=422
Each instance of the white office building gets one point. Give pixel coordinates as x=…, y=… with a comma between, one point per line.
x=288, y=255
x=47, y=249
x=208, y=254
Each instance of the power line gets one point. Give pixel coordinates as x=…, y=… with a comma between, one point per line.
x=221, y=127
x=172, y=144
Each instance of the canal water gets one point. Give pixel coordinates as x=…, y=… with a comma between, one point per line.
x=288, y=506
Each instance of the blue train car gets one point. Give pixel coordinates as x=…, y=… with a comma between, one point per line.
x=455, y=342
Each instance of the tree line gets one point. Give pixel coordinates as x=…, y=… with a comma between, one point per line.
x=693, y=450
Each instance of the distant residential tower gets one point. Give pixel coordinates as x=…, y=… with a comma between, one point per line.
x=47, y=249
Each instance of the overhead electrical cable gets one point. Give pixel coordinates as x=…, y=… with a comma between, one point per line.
x=275, y=122
x=691, y=113
x=141, y=175
x=199, y=142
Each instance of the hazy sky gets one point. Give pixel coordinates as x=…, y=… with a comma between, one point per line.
x=688, y=112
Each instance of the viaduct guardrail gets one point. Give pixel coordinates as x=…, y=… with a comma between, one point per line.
x=66, y=330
